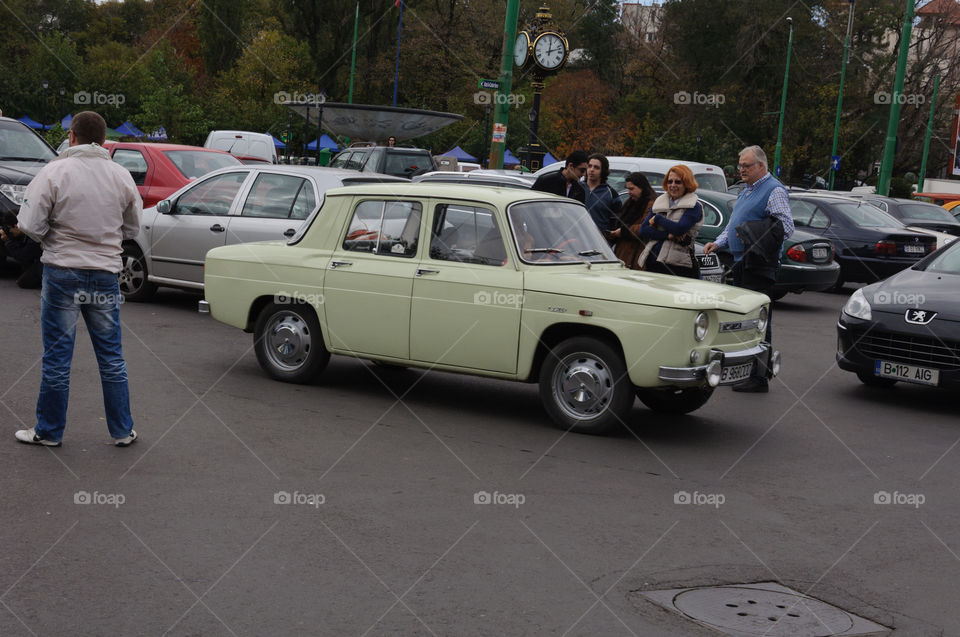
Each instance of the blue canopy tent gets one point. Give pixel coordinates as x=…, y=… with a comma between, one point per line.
x=325, y=142
x=509, y=158
x=65, y=122
x=34, y=124
x=276, y=142
x=460, y=154
x=159, y=135
x=549, y=159
x=129, y=130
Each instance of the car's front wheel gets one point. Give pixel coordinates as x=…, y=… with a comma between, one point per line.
x=870, y=380
x=675, y=400
x=133, y=276
x=289, y=344
x=584, y=386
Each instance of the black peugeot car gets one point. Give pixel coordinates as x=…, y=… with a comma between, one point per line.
x=869, y=244
x=906, y=328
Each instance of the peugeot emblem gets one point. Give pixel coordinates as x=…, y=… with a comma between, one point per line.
x=917, y=316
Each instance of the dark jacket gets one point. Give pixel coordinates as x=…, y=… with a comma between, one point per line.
x=762, y=240
x=604, y=205
x=556, y=183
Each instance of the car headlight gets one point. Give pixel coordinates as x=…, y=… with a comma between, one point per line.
x=700, y=326
x=857, y=306
x=762, y=320
x=13, y=192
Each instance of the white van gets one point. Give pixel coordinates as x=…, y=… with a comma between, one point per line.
x=250, y=148
x=708, y=176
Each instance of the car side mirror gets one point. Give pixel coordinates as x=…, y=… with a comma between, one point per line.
x=164, y=207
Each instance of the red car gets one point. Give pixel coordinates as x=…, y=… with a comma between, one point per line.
x=160, y=170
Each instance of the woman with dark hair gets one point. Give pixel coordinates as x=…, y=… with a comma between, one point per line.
x=628, y=244
x=672, y=225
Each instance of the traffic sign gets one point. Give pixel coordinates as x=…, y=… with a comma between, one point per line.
x=835, y=162
x=778, y=171
x=490, y=85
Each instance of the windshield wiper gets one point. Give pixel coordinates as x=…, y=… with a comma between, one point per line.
x=546, y=250
x=588, y=253
x=23, y=159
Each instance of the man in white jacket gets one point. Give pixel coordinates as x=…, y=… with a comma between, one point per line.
x=80, y=207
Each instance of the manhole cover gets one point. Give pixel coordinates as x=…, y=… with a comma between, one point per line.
x=763, y=609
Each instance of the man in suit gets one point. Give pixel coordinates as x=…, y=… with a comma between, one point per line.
x=566, y=182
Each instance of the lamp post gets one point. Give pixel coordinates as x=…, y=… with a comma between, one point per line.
x=783, y=102
x=43, y=107
x=843, y=74
x=890, y=147
x=63, y=93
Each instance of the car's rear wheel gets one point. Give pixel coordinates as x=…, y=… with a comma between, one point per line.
x=870, y=380
x=133, y=276
x=289, y=344
x=584, y=386
x=675, y=400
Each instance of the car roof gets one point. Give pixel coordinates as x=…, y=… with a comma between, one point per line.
x=495, y=195
x=643, y=163
x=164, y=146
x=317, y=172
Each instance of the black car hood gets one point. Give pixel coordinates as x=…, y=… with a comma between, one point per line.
x=934, y=291
x=19, y=172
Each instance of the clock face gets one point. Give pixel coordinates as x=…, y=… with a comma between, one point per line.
x=550, y=51
x=521, y=50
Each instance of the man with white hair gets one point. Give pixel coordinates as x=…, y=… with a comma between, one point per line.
x=763, y=197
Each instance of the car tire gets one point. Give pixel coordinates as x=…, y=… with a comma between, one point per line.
x=584, y=386
x=132, y=279
x=289, y=344
x=875, y=381
x=674, y=400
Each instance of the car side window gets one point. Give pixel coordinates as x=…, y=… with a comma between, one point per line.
x=305, y=203
x=272, y=196
x=390, y=228
x=801, y=211
x=711, y=216
x=819, y=220
x=133, y=161
x=212, y=196
x=467, y=234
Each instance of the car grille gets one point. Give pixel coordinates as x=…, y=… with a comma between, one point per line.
x=916, y=350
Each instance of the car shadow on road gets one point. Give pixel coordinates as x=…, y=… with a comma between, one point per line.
x=916, y=397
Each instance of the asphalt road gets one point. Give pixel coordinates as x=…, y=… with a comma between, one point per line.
x=252, y=507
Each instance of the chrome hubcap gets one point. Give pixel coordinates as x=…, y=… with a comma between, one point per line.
x=288, y=341
x=582, y=385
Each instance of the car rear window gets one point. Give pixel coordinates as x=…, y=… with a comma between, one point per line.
x=403, y=164
x=865, y=215
x=927, y=212
x=196, y=163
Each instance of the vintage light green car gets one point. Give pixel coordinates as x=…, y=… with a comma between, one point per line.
x=496, y=282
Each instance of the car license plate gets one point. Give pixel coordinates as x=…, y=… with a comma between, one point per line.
x=715, y=278
x=914, y=249
x=908, y=373
x=820, y=253
x=736, y=373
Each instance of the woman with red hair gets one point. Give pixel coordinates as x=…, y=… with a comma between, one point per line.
x=672, y=226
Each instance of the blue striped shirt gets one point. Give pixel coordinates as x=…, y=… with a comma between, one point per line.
x=778, y=205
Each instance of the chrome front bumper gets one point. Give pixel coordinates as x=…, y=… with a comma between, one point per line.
x=766, y=359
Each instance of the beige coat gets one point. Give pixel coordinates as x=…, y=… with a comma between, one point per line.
x=672, y=253
x=80, y=207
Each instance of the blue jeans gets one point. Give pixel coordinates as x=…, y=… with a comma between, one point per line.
x=66, y=295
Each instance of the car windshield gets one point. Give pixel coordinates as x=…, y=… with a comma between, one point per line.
x=196, y=163
x=554, y=232
x=926, y=212
x=947, y=261
x=19, y=143
x=865, y=215
x=402, y=164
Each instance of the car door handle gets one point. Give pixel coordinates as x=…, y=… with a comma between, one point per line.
x=290, y=232
x=217, y=228
x=422, y=271
x=336, y=264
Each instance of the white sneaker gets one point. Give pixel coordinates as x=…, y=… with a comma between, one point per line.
x=30, y=437
x=126, y=442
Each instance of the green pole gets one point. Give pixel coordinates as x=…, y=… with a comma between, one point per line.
x=890, y=148
x=502, y=111
x=843, y=75
x=926, y=141
x=353, y=56
x=783, y=102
